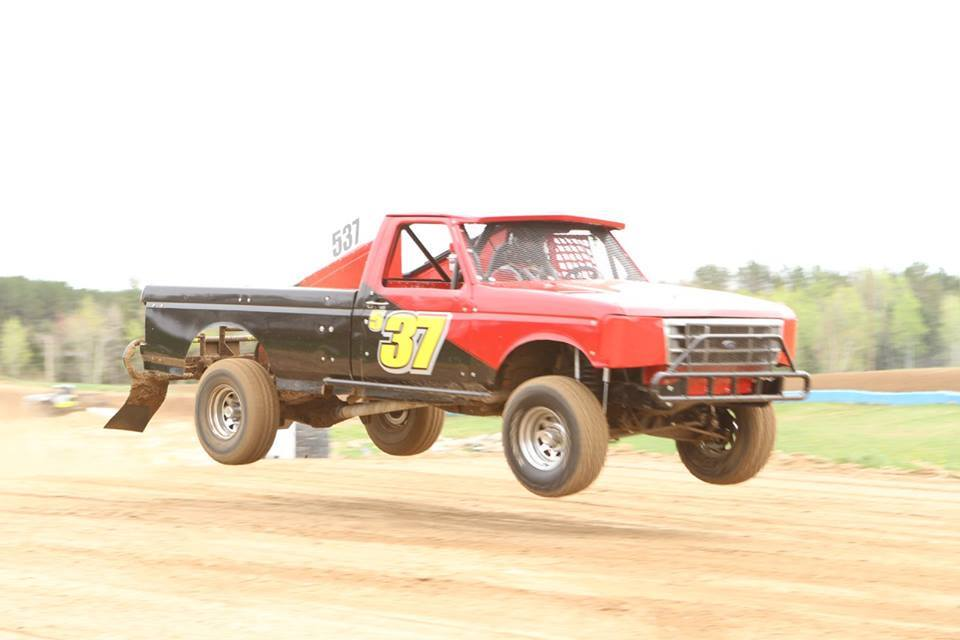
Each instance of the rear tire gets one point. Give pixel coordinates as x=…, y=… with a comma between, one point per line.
x=237, y=411
x=555, y=435
x=405, y=433
x=753, y=432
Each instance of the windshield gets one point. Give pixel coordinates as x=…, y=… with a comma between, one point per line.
x=538, y=251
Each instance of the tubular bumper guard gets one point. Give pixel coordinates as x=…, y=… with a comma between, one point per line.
x=661, y=383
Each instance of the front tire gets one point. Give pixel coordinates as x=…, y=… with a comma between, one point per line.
x=405, y=433
x=237, y=411
x=750, y=434
x=554, y=435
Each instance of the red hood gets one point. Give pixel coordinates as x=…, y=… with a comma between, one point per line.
x=636, y=298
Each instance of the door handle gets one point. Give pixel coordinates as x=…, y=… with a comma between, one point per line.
x=376, y=304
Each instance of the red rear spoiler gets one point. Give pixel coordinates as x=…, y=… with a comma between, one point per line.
x=343, y=273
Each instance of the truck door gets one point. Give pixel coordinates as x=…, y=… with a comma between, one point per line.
x=414, y=310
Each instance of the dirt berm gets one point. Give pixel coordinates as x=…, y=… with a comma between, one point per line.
x=934, y=379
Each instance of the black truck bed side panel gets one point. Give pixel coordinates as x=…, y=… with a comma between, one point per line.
x=306, y=332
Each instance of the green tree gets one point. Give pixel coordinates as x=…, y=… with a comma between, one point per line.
x=83, y=334
x=928, y=287
x=133, y=329
x=907, y=327
x=843, y=345
x=950, y=328
x=823, y=280
x=756, y=278
x=795, y=278
x=14, y=347
x=111, y=343
x=876, y=293
x=712, y=277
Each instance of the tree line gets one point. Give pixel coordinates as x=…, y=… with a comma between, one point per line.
x=870, y=319
x=53, y=332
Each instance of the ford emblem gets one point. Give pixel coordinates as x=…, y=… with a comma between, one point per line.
x=728, y=344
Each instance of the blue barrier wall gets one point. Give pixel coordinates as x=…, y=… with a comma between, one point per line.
x=850, y=396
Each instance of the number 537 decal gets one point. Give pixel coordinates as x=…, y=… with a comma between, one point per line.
x=411, y=340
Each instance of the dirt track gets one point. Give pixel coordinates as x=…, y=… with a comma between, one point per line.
x=933, y=379
x=118, y=535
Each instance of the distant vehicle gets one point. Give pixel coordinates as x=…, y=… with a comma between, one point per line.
x=62, y=399
x=543, y=319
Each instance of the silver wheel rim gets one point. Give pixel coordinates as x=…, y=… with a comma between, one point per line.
x=543, y=438
x=396, y=419
x=225, y=414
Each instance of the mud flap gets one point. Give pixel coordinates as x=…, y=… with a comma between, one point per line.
x=147, y=393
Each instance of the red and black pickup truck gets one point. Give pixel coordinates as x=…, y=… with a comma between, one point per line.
x=543, y=319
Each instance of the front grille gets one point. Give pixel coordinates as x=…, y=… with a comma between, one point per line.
x=739, y=345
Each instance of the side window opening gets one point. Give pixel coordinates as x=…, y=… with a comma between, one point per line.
x=420, y=257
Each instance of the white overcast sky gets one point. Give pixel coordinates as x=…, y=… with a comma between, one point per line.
x=222, y=143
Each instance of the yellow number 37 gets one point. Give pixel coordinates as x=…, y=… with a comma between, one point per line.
x=412, y=340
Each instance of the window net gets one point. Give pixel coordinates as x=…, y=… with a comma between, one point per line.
x=535, y=251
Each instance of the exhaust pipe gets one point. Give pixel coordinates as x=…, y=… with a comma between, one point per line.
x=372, y=408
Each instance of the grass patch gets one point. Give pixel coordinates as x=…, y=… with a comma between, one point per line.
x=455, y=426
x=872, y=435
x=350, y=438
x=868, y=435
